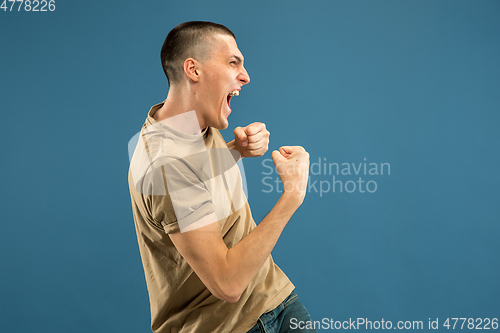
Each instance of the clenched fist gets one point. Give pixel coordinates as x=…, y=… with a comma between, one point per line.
x=251, y=141
x=292, y=165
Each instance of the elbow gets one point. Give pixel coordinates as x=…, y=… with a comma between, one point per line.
x=225, y=285
x=231, y=299
x=230, y=295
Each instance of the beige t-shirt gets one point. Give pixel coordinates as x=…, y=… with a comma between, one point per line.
x=164, y=159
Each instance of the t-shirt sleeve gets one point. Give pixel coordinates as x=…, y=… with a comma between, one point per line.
x=181, y=197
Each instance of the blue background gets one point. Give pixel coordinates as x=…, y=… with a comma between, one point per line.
x=411, y=83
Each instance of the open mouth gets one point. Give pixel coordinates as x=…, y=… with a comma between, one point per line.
x=231, y=94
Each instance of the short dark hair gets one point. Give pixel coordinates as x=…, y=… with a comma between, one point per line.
x=188, y=40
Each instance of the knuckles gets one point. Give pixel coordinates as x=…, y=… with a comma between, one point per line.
x=256, y=128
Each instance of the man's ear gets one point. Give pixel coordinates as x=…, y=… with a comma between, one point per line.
x=191, y=69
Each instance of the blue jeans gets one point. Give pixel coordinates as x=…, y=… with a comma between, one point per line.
x=284, y=317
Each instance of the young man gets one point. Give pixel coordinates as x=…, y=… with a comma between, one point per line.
x=208, y=266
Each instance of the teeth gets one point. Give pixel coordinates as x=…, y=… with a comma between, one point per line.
x=234, y=93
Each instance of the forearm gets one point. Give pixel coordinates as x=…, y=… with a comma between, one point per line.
x=246, y=258
x=231, y=144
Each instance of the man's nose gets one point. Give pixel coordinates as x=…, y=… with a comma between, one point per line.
x=244, y=77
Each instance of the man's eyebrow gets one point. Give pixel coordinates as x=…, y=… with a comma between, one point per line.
x=237, y=58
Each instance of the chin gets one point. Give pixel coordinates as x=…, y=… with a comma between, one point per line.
x=223, y=125
x=222, y=122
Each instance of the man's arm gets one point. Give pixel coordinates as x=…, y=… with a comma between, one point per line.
x=227, y=272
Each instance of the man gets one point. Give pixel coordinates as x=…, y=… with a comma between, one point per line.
x=208, y=266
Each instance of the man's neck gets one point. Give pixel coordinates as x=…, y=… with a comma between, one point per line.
x=176, y=113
